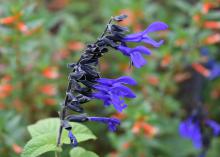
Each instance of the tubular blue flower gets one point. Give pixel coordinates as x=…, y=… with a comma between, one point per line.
x=111, y=122
x=214, y=71
x=215, y=127
x=211, y=64
x=72, y=138
x=110, y=91
x=135, y=54
x=123, y=79
x=191, y=129
x=144, y=37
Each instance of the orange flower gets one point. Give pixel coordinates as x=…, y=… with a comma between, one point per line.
x=213, y=39
x=180, y=42
x=197, y=18
x=75, y=46
x=166, y=60
x=48, y=89
x=206, y=7
x=5, y=90
x=180, y=77
x=148, y=129
x=119, y=115
x=136, y=127
x=212, y=25
x=2, y=106
x=22, y=27
x=16, y=148
x=50, y=101
x=153, y=80
x=126, y=145
x=51, y=72
x=9, y=20
x=201, y=69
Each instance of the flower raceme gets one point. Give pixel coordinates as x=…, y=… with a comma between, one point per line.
x=86, y=84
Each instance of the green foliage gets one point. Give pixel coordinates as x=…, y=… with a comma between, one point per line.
x=81, y=152
x=44, y=135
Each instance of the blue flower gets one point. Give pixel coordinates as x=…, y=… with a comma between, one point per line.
x=215, y=127
x=110, y=91
x=111, y=122
x=72, y=138
x=214, y=71
x=211, y=63
x=190, y=129
x=144, y=37
x=135, y=53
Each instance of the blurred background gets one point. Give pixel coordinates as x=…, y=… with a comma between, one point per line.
x=38, y=39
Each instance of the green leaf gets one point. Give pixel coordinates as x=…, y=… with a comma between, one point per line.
x=40, y=145
x=81, y=152
x=44, y=135
x=51, y=125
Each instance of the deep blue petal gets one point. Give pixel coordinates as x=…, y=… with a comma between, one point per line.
x=191, y=130
x=73, y=140
x=137, y=59
x=126, y=80
x=215, y=127
x=117, y=103
x=111, y=122
x=152, y=42
x=105, y=81
x=122, y=90
x=215, y=71
x=156, y=26
x=123, y=79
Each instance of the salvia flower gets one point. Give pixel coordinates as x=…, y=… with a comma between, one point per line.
x=72, y=138
x=135, y=53
x=111, y=122
x=110, y=91
x=211, y=64
x=214, y=126
x=191, y=129
x=144, y=36
x=214, y=71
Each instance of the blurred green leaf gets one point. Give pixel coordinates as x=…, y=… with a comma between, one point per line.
x=39, y=145
x=51, y=126
x=80, y=152
x=44, y=135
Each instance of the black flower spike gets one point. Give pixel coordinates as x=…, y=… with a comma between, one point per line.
x=120, y=17
x=85, y=82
